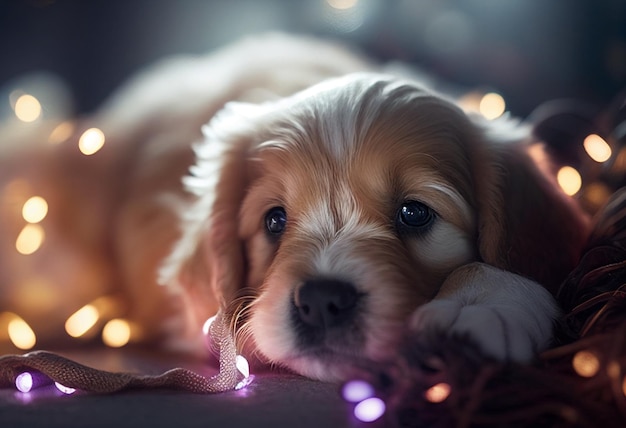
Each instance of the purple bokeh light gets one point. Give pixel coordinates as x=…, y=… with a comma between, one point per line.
x=369, y=409
x=357, y=390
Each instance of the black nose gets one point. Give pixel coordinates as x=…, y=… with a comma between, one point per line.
x=326, y=303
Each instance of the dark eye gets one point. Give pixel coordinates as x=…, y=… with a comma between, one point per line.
x=414, y=216
x=275, y=221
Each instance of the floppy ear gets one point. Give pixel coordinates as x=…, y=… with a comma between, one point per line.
x=207, y=263
x=526, y=224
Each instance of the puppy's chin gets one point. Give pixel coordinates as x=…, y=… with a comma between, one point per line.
x=337, y=357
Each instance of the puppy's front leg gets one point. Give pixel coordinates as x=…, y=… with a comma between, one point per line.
x=508, y=316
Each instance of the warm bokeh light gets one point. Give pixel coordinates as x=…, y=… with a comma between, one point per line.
x=569, y=179
x=20, y=333
x=27, y=108
x=91, y=141
x=342, y=4
x=596, y=194
x=597, y=149
x=116, y=333
x=30, y=239
x=82, y=320
x=492, y=105
x=35, y=209
x=61, y=133
x=586, y=363
x=437, y=393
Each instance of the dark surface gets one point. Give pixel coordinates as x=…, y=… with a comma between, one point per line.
x=272, y=400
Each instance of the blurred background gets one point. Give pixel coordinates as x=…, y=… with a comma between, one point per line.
x=529, y=51
x=561, y=64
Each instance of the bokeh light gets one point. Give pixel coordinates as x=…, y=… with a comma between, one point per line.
x=569, y=179
x=62, y=132
x=91, y=141
x=81, y=321
x=357, y=390
x=437, y=393
x=116, y=333
x=20, y=333
x=492, y=106
x=597, y=149
x=30, y=239
x=370, y=409
x=27, y=108
x=35, y=209
x=586, y=363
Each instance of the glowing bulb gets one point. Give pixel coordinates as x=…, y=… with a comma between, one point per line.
x=370, y=409
x=586, y=364
x=24, y=382
x=81, y=321
x=492, y=105
x=64, y=389
x=245, y=382
x=35, y=209
x=20, y=333
x=437, y=393
x=242, y=365
x=91, y=141
x=597, y=149
x=569, y=179
x=61, y=133
x=30, y=239
x=342, y=4
x=116, y=333
x=357, y=390
x=27, y=108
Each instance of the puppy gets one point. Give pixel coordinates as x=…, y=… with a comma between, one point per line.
x=329, y=220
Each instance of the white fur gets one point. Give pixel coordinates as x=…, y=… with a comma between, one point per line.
x=508, y=316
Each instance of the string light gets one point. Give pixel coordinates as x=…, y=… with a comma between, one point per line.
x=81, y=321
x=437, y=393
x=356, y=391
x=27, y=381
x=91, y=141
x=597, y=149
x=569, y=179
x=64, y=389
x=369, y=409
x=61, y=133
x=492, y=105
x=116, y=333
x=24, y=382
x=20, y=333
x=30, y=239
x=586, y=363
x=35, y=209
x=27, y=108
x=244, y=368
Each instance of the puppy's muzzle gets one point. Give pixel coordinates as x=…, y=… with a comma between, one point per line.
x=325, y=304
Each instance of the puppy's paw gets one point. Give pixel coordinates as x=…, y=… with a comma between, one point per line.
x=509, y=317
x=486, y=326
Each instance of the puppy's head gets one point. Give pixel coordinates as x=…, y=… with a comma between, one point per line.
x=340, y=210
